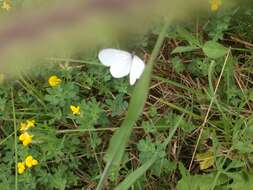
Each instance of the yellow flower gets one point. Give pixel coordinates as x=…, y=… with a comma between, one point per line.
x=75, y=110
x=23, y=126
x=30, y=123
x=21, y=167
x=25, y=138
x=29, y=161
x=215, y=5
x=6, y=6
x=54, y=81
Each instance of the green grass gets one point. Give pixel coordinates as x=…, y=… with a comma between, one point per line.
x=194, y=97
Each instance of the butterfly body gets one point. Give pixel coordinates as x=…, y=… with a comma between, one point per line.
x=122, y=63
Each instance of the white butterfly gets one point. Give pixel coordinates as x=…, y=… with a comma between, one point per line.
x=122, y=63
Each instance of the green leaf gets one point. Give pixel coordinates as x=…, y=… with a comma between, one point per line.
x=134, y=176
x=241, y=180
x=214, y=49
x=118, y=105
x=185, y=35
x=197, y=182
x=119, y=140
x=182, y=49
x=177, y=64
x=90, y=114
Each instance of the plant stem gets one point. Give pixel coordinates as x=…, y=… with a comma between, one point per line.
x=15, y=140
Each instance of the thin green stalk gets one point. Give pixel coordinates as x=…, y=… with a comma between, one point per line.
x=15, y=140
x=167, y=141
x=218, y=175
x=174, y=106
x=32, y=90
x=134, y=176
x=75, y=61
x=90, y=130
x=94, y=151
x=7, y=137
x=170, y=82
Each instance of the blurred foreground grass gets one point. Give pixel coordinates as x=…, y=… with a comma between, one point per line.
x=32, y=30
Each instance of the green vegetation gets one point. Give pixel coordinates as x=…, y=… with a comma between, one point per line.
x=187, y=124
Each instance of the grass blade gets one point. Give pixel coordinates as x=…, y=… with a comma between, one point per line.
x=134, y=176
x=119, y=140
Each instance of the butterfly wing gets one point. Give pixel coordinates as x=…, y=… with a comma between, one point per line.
x=136, y=70
x=119, y=61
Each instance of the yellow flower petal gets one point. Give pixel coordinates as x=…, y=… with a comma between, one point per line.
x=215, y=5
x=214, y=8
x=20, y=170
x=26, y=142
x=54, y=81
x=22, y=137
x=75, y=110
x=30, y=123
x=23, y=126
x=21, y=167
x=29, y=161
x=6, y=6
x=206, y=159
x=25, y=138
x=35, y=162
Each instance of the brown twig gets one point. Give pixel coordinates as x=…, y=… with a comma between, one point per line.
x=208, y=111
